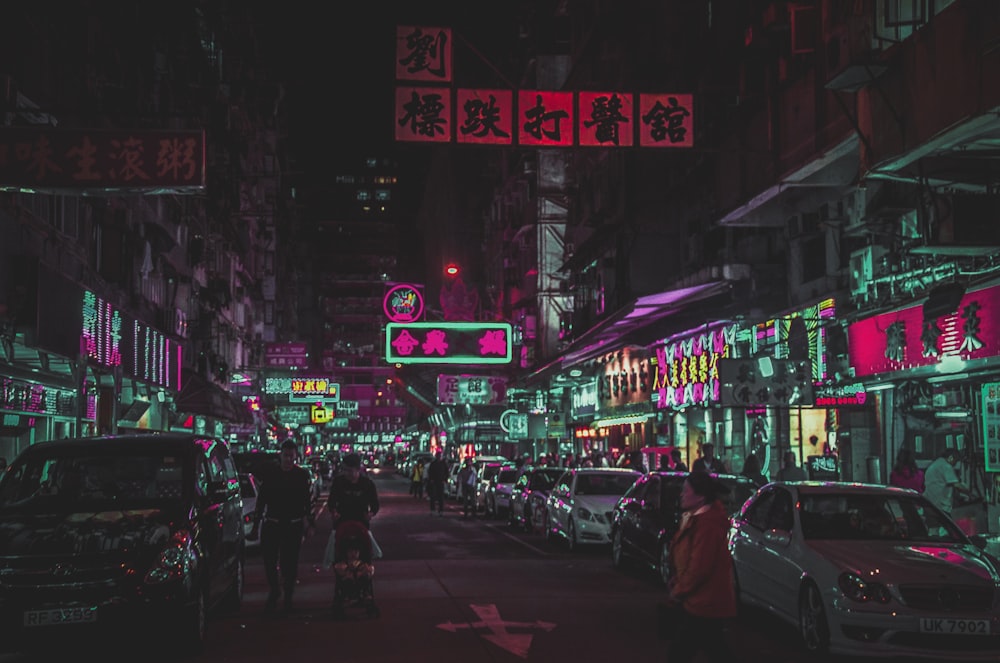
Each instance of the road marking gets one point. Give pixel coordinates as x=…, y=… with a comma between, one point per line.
x=489, y=617
x=536, y=549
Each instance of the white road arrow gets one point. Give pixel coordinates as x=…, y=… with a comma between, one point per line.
x=489, y=617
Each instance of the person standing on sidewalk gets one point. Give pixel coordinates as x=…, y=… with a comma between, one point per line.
x=284, y=505
x=467, y=485
x=437, y=474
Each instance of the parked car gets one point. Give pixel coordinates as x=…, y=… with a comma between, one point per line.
x=645, y=519
x=451, y=483
x=485, y=473
x=105, y=536
x=867, y=570
x=499, y=489
x=257, y=463
x=581, y=504
x=529, y=495
x=249, y=491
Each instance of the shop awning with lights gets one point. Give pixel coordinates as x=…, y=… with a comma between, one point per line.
x=199, y=396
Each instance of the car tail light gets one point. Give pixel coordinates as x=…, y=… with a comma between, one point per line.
x=174, y=561
x=858, y=589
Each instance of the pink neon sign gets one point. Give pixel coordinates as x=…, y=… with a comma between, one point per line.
x=403, y=303
x=101, y=335
x=687, y=370
x=900, y=340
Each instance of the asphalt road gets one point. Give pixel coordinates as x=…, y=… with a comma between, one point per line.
x=457, y=589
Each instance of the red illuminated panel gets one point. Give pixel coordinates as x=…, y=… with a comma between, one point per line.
x=484, y=116
x=606, y=119
x=423, y=54
x=545, y=118
x=666, y=120
x=899, y=340
x=423, y=114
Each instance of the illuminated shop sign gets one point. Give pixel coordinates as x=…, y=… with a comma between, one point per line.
x=687, y=371
x=305, y=390
x=623, y=378
x=990, y=392
x=36, y=398
x=471, y=390
x=544, y=118
x=839, y=395
x=765, y=381
x=286, y=355
x=403, y=302
x=583, y=400
x=448, y=343
x=902, y=339
x=802, y=334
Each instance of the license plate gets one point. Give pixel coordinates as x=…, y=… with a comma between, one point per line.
x=955, y=626
x=58, y=616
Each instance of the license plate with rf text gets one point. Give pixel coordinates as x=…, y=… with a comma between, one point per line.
x=57, y=616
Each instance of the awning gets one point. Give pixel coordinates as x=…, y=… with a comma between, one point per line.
x=199, y=396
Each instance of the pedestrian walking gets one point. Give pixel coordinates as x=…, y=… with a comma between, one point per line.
x=437, y=474
x=353, y=498
x=751, y=470
x=708, y=462
x=701, y=580
x=467, y=479
x=417, y=480
x=282, y=516
x=941, y=481
x=678, y=460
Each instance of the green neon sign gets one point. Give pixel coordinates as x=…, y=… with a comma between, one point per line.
x=448, y=343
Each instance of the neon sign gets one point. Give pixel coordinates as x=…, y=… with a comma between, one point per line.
x=403, y=303
x=101, y=336
x=448, y=343
x=687, y=371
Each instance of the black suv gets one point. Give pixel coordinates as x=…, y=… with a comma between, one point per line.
x=108, y=535
x=648, y=514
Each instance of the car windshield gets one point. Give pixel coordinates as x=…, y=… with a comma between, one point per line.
x=604, y=484
x=79, y=482
x=507, y=476
x=544, y=479
x=874, y=516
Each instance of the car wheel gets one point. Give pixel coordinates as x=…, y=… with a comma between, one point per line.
x=571, y=536
x=664, y=564
x=813, y=627
x=617, y=549
x=234, y=599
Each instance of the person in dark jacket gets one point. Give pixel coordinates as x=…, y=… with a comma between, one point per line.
x=437, y=474
x=282, y=515
x=702, y=572
x=751, y=470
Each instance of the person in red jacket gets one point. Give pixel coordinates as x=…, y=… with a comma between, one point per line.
x=702, y=572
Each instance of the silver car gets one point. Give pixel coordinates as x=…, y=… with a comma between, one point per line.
x=867, y=570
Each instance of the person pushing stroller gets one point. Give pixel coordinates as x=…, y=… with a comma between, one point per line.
x=352, y=502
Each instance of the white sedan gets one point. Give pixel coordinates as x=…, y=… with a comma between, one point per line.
x=867, y=570
x=581, y=504
x=249, y=490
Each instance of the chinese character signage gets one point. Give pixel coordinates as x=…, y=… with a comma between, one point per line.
x=545, y=118
x=50, y=159
x=765, y=381
x=286, y=355
x=606, y=119
x=666, y=120
x=423, y=114
x=484, y=116
x=839, y=395
x=903, y=339
x=403, y=302
x=583, y=400
x=687, y=367
x=423, y=54
x=991, y=425
x=308, y=390
x=799, y=335
x=448, y=343
x=471, y=389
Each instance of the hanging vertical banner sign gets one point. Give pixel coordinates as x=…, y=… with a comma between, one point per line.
x=545, y=118
x=484, y=117
x=605, y=119
x=666, y=120
x=423, y=114
x=423, y=54
x=991, y=425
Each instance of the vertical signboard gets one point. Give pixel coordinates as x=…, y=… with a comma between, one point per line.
x=991, y=425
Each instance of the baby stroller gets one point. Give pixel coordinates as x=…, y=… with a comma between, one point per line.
x=353, y=570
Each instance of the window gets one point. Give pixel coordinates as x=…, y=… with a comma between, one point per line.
x=757, y=514
x=903, y=12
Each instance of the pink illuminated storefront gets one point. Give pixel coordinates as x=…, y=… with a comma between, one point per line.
x=929, y=366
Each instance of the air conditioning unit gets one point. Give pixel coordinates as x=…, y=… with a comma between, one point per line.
x=865, y=265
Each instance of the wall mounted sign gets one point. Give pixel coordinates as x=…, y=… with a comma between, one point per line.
x=765, y=381
x=799, y=335
x=423, y=54
x=313, y=390
x=471, y=390
x=583, y=400
x=448, y=343
x=903, y=339
x=687, y=371
x=403, y=302
x=840, y=395
x=991, y=425
x=286, y=355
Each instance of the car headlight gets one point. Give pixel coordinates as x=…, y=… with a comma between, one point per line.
x=858, y=589
x=174, y=561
